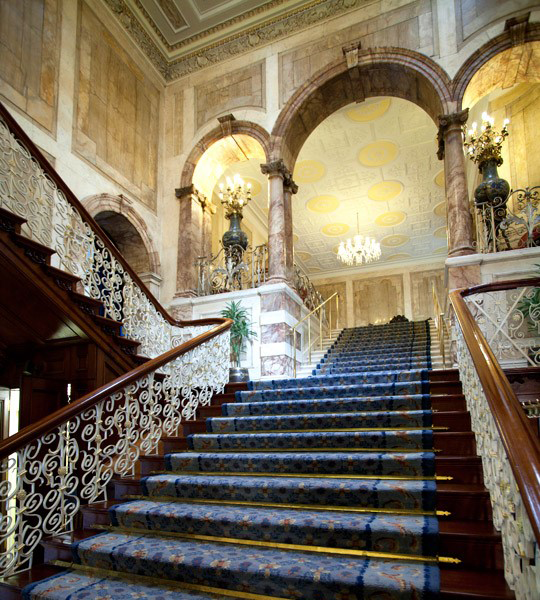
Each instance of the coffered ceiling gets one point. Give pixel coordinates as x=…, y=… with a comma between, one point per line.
x=182, y=36
x=375, y=161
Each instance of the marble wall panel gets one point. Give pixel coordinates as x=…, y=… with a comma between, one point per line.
x=242, y=88
x=277, y=365
x=377, y=299
x=117, y=111
x=326, y=290
x=421, y=292
x=474, y=15
x=276, y=332
x=29, y=57
x=280, y=301
x=409, y=26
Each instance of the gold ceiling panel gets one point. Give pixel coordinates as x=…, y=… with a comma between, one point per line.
x=308, y=171
x=393, y=241
x=378, y=153
x=440, y=232
x=391, y=218
x=385, y=191
x=322, y=204
x=335, y=229
x=368, y=111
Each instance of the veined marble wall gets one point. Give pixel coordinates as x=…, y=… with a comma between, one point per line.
x=117, y=111
x=375, y=297
x=29, y=50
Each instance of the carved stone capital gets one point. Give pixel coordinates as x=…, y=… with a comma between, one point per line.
x=288, y=182
x=274, y=168
x=193, y=193
x=517, y=28
x=449, y=123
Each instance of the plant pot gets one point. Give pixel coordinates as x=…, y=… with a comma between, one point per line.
x=238, y=375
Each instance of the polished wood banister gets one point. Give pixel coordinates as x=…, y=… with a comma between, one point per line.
x=521, y=444
x=72, y=199
x=501, y=286
x=34, y=431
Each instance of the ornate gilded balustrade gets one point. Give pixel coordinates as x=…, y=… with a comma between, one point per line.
x=509, y=225
x=508, y=445
x=56, y=219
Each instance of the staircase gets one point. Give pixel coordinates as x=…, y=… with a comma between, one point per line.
x=347, y=484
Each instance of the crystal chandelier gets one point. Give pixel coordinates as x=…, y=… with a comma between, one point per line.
x=487, y=144
x=235, y=196
x=359, y=249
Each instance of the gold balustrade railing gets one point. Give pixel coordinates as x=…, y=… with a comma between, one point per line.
x=320, y=314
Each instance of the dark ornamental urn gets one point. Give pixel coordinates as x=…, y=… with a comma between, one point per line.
x=234, y=236
x=493, y=190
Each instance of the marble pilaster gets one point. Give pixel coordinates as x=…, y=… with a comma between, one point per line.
x=289, y=188
x=277, y=219
x=194, y=238
x=459, y=226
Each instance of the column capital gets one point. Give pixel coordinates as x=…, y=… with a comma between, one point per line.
x=193, y=193
x=289, y=184
x=275, y=168
x=448, y=123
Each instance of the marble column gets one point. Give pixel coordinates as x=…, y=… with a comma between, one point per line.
x=192, y=238
x=277, y=217
x=289, y=188
x=459, y=219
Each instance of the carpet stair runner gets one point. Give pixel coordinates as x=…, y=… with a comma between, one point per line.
x=312, y=488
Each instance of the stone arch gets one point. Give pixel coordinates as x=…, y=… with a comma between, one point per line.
x=119, y=205
x=373, y=72
x=228, y=127
x=510, y=38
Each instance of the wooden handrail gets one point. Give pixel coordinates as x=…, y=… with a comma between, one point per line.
x=521, y=445
x=62, y=415
x=72, y=199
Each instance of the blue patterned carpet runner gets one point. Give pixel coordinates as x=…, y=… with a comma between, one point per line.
x=318, y=488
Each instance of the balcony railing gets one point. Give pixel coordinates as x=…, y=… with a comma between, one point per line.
x=233, y=269
x=509, y=225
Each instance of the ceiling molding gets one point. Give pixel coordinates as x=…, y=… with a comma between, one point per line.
x=218, y=43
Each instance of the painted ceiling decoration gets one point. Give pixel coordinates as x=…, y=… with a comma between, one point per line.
x=397, y=187
x=182, y=36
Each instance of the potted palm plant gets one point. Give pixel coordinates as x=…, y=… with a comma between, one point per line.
x=241, y=332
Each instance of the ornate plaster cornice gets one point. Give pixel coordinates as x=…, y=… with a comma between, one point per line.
x=228, y=47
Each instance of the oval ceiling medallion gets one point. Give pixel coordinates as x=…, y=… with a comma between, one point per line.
x=314, y=269
x=393, y=241
x=385, y=190
x=335, y=229
x=402, y=256
x=441, y=250
x=368, y=111
x=256, y=186
x=390, y=219
x=308, y=171
x=303, y=256
x=440, y=232
x=440, y=210
x=439, y=179
x=378, y=153
x=295, y=238
x=322, y=204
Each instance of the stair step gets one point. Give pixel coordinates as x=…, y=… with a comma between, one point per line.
x=89, y=305
x=64, y=280
x=10, y=222
x=37, y=252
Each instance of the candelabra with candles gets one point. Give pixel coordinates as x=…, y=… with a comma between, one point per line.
x=484, y=149
x=234, y=196
x=359, y=249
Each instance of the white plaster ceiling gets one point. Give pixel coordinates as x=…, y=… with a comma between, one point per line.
x=178, y=22
x=377, y=159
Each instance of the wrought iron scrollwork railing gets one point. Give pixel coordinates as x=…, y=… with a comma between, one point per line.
x=311, y=297
x=500, y=228
x=510, y=320
x=231, y=269
x=508, y=445
x=30, y=188
x=49, y=469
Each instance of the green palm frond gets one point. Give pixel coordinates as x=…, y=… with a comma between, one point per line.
x=241, y=330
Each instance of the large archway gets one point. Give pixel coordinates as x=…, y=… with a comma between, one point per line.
x=363, y=74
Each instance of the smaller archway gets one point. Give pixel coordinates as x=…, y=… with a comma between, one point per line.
x=128, y=231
